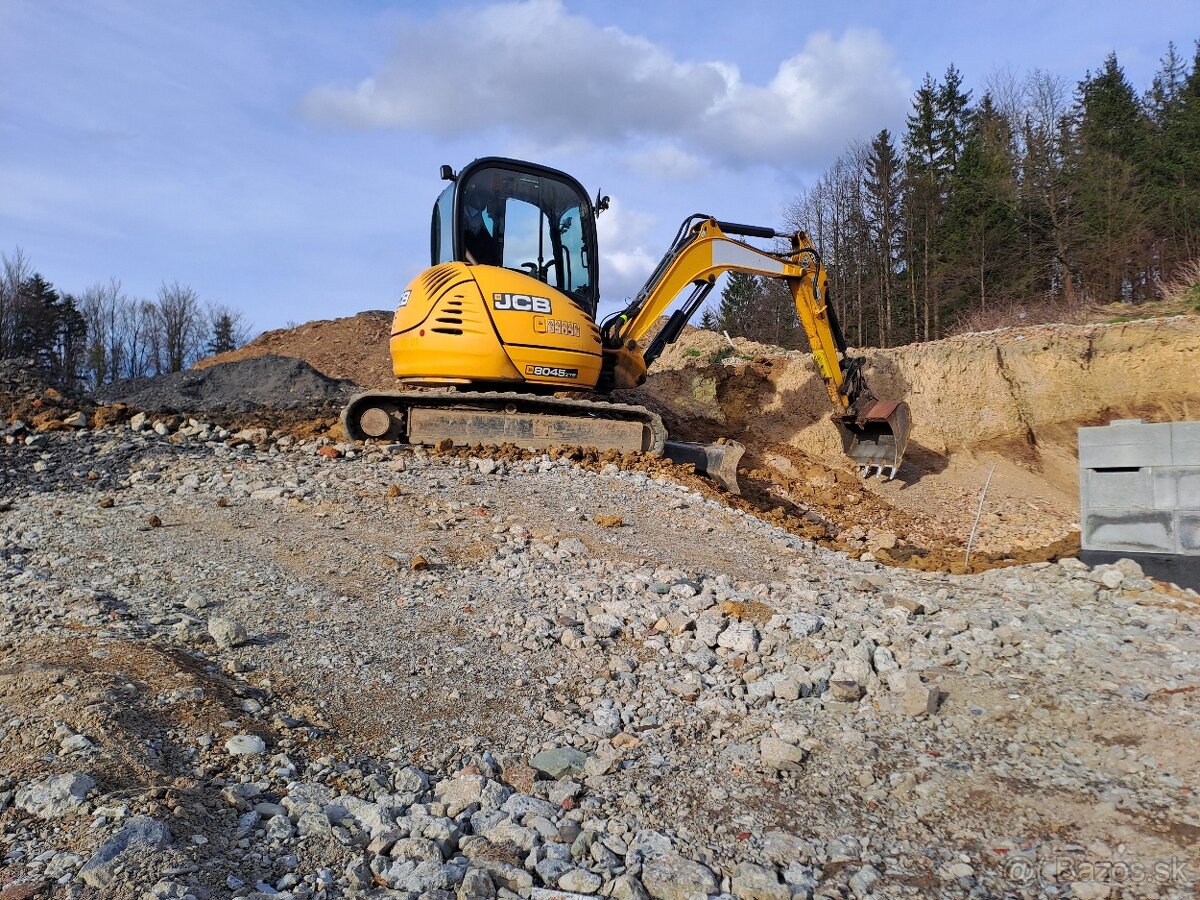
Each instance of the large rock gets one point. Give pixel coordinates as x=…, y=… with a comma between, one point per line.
x=138, y=835
x=376, y=818
x=559, y=762
x=709, y=626
x=919, y=701
x=740, y=637
x=780, y=755
x=673, y=877
x=626, y=887
x=245, y=745
x=751, y=882
x=227, y=633
x=55, y=795
x=580, y=881
x=459, y=793
x=476, y=885
x=550, y=894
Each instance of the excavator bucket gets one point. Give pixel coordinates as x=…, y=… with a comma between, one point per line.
x=718, y=461
x=878, y=437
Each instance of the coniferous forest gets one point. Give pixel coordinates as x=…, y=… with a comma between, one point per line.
x=1035, y=198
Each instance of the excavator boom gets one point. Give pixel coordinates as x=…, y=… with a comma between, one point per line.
x=874, y=433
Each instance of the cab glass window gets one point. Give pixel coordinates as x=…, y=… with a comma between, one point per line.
x=442, y=233
x=528, y=223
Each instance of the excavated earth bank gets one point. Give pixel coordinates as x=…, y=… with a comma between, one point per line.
x=1011, y=398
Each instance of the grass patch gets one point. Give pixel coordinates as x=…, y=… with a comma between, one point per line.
x=728, y=353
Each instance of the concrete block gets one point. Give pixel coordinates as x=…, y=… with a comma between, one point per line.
x=1135, y=530
x=1112, y=446
x=1177, y=487
x=1123, y=490
x=1187, y=532
x=1185, y=443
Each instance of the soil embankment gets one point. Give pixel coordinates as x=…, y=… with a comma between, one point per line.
x=1012, y=398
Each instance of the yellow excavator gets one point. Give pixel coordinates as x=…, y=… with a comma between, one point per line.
x=506, y=318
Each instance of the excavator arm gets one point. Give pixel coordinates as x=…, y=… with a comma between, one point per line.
x=874, y=433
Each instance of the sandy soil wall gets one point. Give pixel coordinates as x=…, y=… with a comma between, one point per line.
x=1022, y=392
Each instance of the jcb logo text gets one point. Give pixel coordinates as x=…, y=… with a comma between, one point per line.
x=521, y=303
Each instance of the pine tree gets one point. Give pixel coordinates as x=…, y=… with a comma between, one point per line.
x=882, y=190
x=46, y=327
x=737, y=303
x=920, y=141
x=921, y=204
x=1184, y=140
x=1175, y=160
x=68, y=353
x=981, y=230
x=952, y=120
x=1108, y=184
x=222, y=340
x=1166, y=90
x=708, y=320
x=36, y=320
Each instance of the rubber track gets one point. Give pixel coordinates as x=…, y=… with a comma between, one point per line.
x=498, y=400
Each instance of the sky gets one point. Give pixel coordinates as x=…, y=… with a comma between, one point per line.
x=282, y=158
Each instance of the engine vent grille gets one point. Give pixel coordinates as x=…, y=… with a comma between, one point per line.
x=438, y=277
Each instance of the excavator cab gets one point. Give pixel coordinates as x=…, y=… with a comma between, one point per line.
x=527, y=218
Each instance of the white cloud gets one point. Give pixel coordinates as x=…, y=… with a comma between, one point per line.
x=533, y=69
x=667, y=162
x=625, y=259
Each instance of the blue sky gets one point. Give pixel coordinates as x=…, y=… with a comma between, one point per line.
x=282, y=158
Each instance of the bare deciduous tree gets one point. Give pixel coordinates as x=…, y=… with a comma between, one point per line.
x=180, y=327
x=16, y=271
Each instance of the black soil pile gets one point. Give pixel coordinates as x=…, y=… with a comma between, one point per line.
x=248, y=385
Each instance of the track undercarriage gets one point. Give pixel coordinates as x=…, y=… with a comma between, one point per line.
x=530, y=422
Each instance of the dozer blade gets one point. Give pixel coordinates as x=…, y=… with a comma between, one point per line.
x=718, y=461
x=878, y=437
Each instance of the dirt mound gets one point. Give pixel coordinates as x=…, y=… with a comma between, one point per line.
x=353, y=348
x=273, y=382
x=1012, y=398
x=31, y=394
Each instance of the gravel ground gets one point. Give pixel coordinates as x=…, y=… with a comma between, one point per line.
x=245, y=665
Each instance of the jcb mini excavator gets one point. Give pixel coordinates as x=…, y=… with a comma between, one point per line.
x=506, y=317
